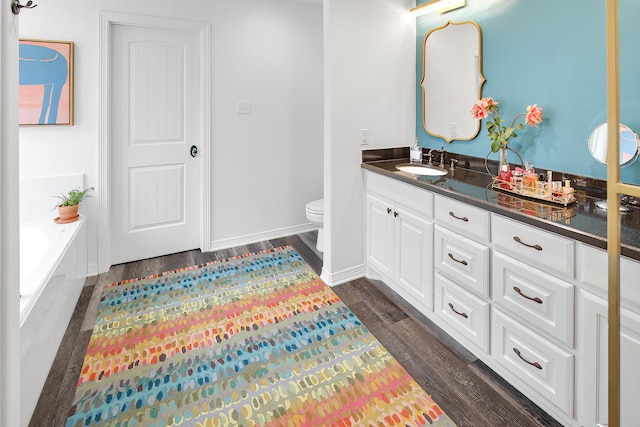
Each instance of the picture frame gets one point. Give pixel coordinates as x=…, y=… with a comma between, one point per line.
x=46, y=82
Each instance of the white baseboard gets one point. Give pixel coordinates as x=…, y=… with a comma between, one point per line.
x=340, y=277
x=373, y=274
x=260, y=237
x=92, y=269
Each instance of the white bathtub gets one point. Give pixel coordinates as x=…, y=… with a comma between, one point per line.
x=53, y=268
x=43, y=245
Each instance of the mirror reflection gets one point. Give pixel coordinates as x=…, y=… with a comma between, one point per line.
x=629, y=147
x=452, y=80
x=629, y=144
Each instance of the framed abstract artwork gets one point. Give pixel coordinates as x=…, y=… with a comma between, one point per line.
x=46, y=82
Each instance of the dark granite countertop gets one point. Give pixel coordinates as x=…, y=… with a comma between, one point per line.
x=469, y=182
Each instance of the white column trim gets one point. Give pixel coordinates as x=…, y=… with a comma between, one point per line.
x=9, y=222
x=344, y=276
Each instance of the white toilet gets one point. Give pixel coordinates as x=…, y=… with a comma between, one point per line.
x=315, y=215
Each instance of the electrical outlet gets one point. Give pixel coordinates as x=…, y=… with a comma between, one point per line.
x=243, y=107
x=364, y=136
x=454, y=129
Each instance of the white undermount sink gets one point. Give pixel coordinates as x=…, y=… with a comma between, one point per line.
x=420, y=169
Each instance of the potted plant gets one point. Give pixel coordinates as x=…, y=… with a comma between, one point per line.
x=68, y=204
x=499, y=134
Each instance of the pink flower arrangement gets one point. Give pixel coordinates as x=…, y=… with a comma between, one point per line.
x=499, y=134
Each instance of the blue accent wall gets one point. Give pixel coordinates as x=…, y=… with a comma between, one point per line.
x=550, y=53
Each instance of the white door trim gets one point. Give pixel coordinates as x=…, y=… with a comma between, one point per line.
x=107, y=21
x=9, y=222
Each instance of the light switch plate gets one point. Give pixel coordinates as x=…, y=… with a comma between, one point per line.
x=243, y=107
x=364, y=136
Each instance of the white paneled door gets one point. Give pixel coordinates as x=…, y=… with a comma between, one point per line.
x=155, y=169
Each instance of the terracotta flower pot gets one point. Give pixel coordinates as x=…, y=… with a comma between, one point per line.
x=67, y=214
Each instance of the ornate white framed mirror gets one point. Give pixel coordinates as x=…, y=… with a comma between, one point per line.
x=452, y=80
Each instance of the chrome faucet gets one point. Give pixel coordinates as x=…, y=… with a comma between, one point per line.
x=430, y=156
x=443, y=157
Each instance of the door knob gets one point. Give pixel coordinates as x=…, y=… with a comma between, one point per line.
x=193, y=151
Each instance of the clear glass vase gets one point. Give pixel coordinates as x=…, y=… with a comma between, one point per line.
x=502, y=159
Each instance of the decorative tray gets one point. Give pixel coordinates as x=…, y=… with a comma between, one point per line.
x=563, y=199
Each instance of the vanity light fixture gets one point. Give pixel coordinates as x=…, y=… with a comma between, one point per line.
x=441, y=6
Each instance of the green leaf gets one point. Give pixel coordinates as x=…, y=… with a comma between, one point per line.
x=507, y=133
x=495, y=146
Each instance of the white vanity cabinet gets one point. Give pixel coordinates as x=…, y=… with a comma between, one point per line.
x=462, y=272
x=380, y=235
x=593, y=338
x=400, y=238
x=530, y=303
x=593, y=376
x=533, y=310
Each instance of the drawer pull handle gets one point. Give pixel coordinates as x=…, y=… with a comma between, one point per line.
x=463, y=262
x=536, y=299
x=457, y=312
x=388, y=210
x=535, y=364
x=536, y=247
x=395, y=214
x=461, y=218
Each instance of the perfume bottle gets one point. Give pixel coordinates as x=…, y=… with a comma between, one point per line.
x=516, y=180
x=504, y=177
x=567, y=188
x=530, y=178
x=541, y=189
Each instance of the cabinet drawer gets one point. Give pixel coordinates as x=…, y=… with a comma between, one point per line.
x=402, y=195
x=463, y=260
x=532, y=363
x=593, y=270
x=468, y=220
x=467, y=314
x=545, y=250
x=536, y=299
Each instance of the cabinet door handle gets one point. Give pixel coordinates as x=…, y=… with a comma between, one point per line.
x=388, y=210
x=461, y=218
x=457, y=312
x=395, y=214
x=535, y=364
x=536, y=299
x=536, y=247
x=463, y=262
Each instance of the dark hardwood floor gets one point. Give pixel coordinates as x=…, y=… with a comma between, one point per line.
x=468, y=391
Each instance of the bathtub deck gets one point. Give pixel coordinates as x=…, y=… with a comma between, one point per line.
x=58, y=239
x=469, y=392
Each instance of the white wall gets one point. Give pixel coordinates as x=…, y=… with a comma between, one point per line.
x=369, y=84
x=265, y=166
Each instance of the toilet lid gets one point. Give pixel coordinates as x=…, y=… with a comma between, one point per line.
x=317, y=206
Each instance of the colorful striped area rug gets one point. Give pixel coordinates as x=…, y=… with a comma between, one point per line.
x=255, y=340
